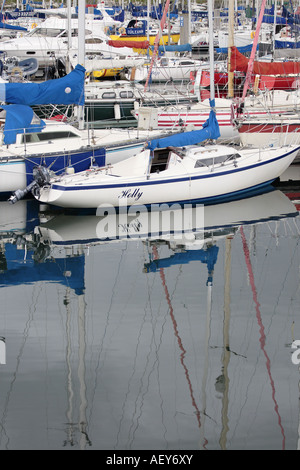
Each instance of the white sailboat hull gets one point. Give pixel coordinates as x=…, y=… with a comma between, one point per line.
x=254, y=169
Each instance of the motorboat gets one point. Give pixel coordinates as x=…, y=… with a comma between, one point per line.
x=48, y=41
x=169, y=69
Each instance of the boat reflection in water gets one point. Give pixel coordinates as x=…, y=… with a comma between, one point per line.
x=150, y=331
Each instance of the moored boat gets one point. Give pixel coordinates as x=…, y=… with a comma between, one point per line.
x=262, y=131
x=190, y=173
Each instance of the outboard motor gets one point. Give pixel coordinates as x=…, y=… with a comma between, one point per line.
x=41, y=176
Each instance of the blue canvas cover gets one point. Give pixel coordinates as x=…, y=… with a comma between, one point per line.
x=287, y=44
x=65, y=90
x=242, y=49
x=11, y=26
x=210, y=130
x=176, y=48
x=19, y=119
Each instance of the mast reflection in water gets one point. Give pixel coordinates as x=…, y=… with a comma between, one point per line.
x=138, y=342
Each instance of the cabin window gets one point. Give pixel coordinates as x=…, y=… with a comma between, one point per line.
x=187, y=62
x=93, y=41
x=108, y=96
x=42, y=137
x=126, y=94
x=220, y=160
x=164, y=61
x=50, y=32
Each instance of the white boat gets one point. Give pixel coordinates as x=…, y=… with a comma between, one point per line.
x=262, y=131
x=49, y=41
x=111, y=102
x=203, y=174
x=168, y=69
x=193, y=116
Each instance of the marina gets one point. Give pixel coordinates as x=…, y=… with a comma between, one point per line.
x=149, y=227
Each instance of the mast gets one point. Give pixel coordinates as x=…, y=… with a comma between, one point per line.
x=211, y=49
x=156, y=42
x=230, y=45
x=69, y=25
x=252, y=56
x=81, y=51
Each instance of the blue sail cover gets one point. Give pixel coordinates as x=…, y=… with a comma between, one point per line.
x=19, y=119
x=210, y=130
x=11, y=26
x=65, y=90
x=287, y=44
x=241, y=49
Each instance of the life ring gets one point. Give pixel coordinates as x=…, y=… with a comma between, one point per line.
x=34, y=25
x=122, y=30
x=252, y=34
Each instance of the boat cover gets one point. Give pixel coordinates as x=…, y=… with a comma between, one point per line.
x=242, y=49
x=176, y=48
x=210, y=130
x=66, y=90
x=19, y=119
x=287, y=44
x=11, y=26
x=240, y=62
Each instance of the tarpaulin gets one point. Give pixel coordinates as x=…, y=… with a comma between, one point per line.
x=240, y=63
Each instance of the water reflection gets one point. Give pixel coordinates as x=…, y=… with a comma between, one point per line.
x=116, y=336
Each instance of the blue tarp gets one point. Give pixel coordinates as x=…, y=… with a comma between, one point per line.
x=287, y=45
x=176, y=48
x=11, y=26
x=242, y=49
x=19, y=119
x=291, y=17
x=80, y=160
x=65, y=90
x=269, y=19
x=210, y=130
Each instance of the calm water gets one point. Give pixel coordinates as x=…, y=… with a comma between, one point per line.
x=137, y=343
